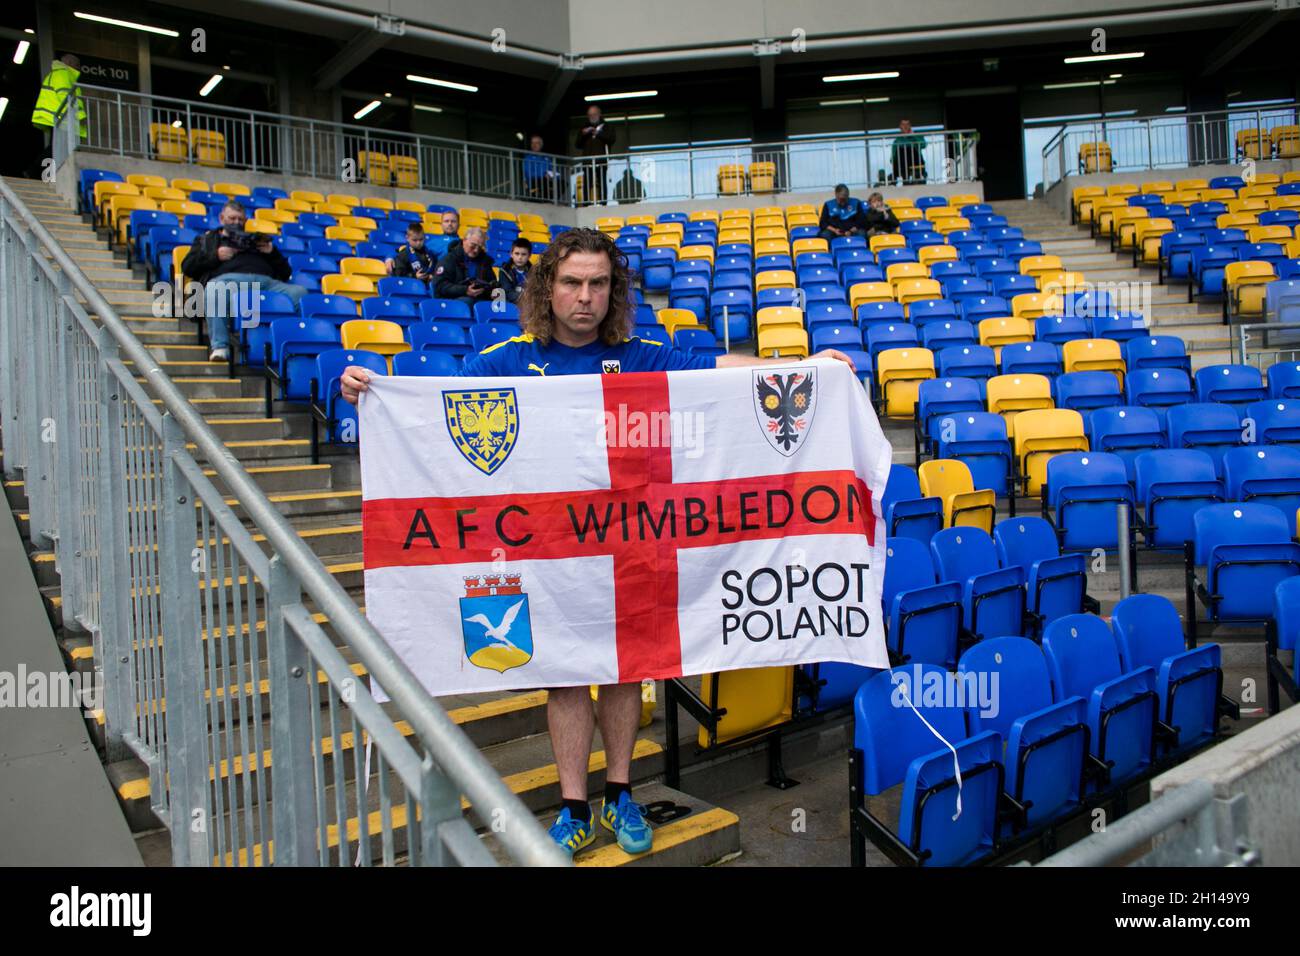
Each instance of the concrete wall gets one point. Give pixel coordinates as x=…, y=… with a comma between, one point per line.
x=1264, y=764
x=1059, y=195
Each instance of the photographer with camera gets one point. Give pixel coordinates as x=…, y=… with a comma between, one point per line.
x=465, y=272
x=231, y=265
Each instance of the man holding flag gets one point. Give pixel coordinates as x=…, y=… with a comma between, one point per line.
x=576, y=318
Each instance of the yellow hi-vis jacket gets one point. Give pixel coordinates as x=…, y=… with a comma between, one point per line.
x=52, y=101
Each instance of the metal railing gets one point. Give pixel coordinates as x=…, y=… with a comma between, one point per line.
x=1165, y=141
x=1263, y=343
x=139, y=125
x=213, y=646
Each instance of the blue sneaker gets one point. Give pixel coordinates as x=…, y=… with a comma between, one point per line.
x=572, y=834
x=626, y=820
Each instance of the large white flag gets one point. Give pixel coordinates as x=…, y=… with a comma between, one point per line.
x=593, y=529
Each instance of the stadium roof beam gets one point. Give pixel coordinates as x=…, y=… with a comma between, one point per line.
x=1240, y=39
x=558, y=85
x=355, y=52
x=767, y=51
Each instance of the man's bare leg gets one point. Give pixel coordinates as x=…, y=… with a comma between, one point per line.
x=619, y=711
x=571, y=721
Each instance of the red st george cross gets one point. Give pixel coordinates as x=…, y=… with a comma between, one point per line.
x=408, y=532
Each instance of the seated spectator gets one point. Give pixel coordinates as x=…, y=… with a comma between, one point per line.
x=878, y=218
x=841, y=216
x=440, y=245
x=234, y=266
x=412, y=259
x=907, y=155
x=512, y=275
x=465, y=272
x=629, y=188
x=541, y=181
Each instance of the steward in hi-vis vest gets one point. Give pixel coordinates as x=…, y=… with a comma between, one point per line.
x=52, y=101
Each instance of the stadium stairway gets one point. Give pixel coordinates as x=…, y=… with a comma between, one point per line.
x=322, y=501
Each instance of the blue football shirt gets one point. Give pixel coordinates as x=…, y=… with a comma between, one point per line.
x=524, y=355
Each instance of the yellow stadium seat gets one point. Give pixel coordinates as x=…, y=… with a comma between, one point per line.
x=358, y=222
x=1274, y=233
x=410, y=205
x=929, y=255
x=1287, y=141
x=379, y=202
x=355, y=288
x=266, y=226
x=372, y=167
x=1244, y=284
x=1095, y=158
x=901, y=202
x=337, y=209
x=362, y=266
x=1252, y=206
x=1059, y=281
x=1284, y=202
x=801, y=246
x=170, y=144
x=1146, y=243
x=1186, y=184
x=784, y=341
x=896, y=272
x=343, y=199
x=293, y=205
x=768, y=211
x=1033, y=265
x=899, y=373
x=951, y=224
x=178, y=256
x=800, y=219
x=863, y=292
x=1010, y=395
x=209, y=147
x=405, y=172
x=800, y=209
x=703, y=215
x=1157, y=187
x=276, y=215
x=1041, y=434
x=779, y=315
x=120, y=207
x=731, y=179
x=889, y=240
x=774, y=279
x=997, y=332
x=104, y=188
x=185, y=207
x=306, y=196
x=1125, y=226
x=232, y=190
x=1087, y=355
x=673, y=228
x=753, y=699
x=346, y=233
x=937, y=213
x=1291, y=177
x=1082, y=198
x=188, y=186
x=1257, y=190
x=735, y=235
x=762, y=232
x=674, y=319
x=1254, y=144
x=385, y=338
x=907, y=291
x=950, y=481
x=906, y=213
x=665, y=240
x=957, y=200
x=1122, y=190
x=609, y=222
x=143, y=181
x=771, y=247
x=735, y=214
x=762, y=177
x=1033, y=305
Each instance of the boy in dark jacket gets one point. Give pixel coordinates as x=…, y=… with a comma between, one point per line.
x=878, y=218
x=412, y=259
x=234, y=266
x=465, y=272
x=513, y=274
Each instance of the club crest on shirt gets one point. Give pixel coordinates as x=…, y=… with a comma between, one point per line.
x=785, y=403
x=610, y=366
x=494, y=621
x=484, y=425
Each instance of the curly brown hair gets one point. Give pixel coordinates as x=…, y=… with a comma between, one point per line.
x=535, y=315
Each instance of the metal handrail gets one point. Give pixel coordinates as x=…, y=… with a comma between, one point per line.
x=119, y=122
x=444, y=742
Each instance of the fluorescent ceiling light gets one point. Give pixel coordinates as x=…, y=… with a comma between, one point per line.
x=366, y=110
x=721, y=142
x=211, y=85
x=1122, y=113
x=638, y=116
x=1105, y=56
x=428, y=109
x=447, y=83
x=1070, y=86
x=1262, y=102
x=177, y=124
x=4, y=105
x=1175, y=109
x=869, y=99
x=847, y=132
x=20, y=54
x=125, y=23
x=850, y=77
x=1116, y=76
x=29, y=30
x=658, y=146
x=597, y=97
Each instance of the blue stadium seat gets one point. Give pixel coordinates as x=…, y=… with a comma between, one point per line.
x=939, y=398
x=923, y=618
x=657, y=267
x=446, y=310
x=1046, y=739
x=828, y=313
x=1163, y=351
x=860, y=272
x=1172, y=485
x=1266, y=475
x=1208, y=264
x=1060, y=329
x=1084, y=489
x=402, y=287
x=1246, y=549
x=967, y=361
x=949, y=333
x=335, y=248
x=1036, y=358
x=979, y=440
x=697, y=342
x=993, y=597
x=964, y=289
x=1120, y=326
x=1286, y=622
x=337, y=308
x=483, y=334
x=829, y=292
x=327, y=371
x=927, y=311
x=402, y=311
x=448, y=338
x=1150, y=634
x=1084, y=391
x=1013, y=284
x=879, y=313
x=690, y=292
x=1056, y=584
x=1284, y=379
x=1126, y=431
x=774, y=262
x=1213, y=428
x=1277, y=422
x=1083, y=660
x=907, y=513
x=497, y=312
x=295, y=343
x=768, y=298
x=889, y=336
x=1159, y=388
x=741, y=280
x=425, y=363
x=900, y=744
x=1235, y=385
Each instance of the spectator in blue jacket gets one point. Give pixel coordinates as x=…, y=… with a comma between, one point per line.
x=841, y=216
x=541, y=181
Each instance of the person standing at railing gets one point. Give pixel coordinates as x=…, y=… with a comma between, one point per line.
x=594, y=140
x=541, y=181
x=907, y=155
x=465, y=272
x=58, y=89
x=841, y=216
x=234, y=266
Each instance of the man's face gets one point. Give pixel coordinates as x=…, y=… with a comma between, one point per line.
x=535, y=144
x=232, y=218
x=450, y=223
x=580, y=293
x=415, y=240
x=905, y=126
x=842, y=197
x=473, y=244
x=593, y=116
x=519, y=256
